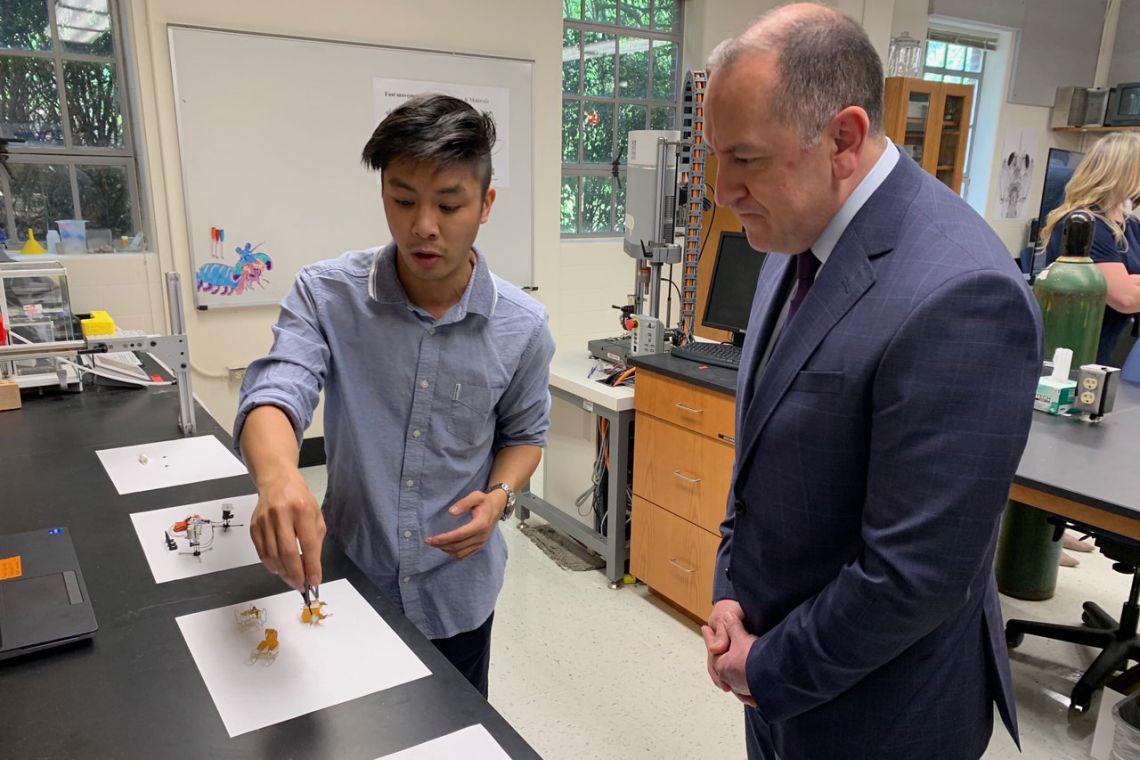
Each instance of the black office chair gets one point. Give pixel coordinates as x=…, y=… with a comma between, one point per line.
x=1119, y=642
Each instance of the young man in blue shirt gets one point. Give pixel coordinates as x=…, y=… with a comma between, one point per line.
x=435, y=376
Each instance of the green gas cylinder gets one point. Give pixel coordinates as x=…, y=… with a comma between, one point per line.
x=1072, y=292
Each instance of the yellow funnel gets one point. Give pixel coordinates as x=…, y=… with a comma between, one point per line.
x=32, y=246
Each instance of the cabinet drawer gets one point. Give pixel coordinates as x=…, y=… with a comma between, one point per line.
x=699, y=409
x=682, y=471
x=673, y=557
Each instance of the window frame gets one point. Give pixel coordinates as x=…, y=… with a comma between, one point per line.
x=69, y=154
x=580, y=170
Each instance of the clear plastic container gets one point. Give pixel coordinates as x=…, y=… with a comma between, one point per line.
x=1126, y=739
x=99, y=241
x=72, y=236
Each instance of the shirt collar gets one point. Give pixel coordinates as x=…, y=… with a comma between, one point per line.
x=480, y=296
x=863, y=191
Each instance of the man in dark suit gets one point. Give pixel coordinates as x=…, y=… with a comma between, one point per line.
x=885, y=396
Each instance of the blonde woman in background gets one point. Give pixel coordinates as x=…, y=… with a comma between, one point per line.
x=1105, y=184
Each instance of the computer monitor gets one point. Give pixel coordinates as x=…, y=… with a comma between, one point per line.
x=733, y=285
x=1058, y=171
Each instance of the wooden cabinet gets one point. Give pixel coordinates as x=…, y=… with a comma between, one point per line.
x=931, y=122
x=682, y=470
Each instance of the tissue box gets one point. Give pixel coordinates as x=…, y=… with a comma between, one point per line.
x=9, y=395
x=1055, y=396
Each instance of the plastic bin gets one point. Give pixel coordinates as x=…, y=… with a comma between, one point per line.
x=1126, y=737
x=72, y=235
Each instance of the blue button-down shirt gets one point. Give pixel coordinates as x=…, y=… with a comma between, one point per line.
x=415, y=410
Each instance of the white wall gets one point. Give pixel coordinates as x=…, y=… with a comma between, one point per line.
x=910, y=16
x=707, y=22
x=128, y=285
x=1126, y=52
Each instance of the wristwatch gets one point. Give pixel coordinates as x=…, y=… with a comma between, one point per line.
x=510, y=508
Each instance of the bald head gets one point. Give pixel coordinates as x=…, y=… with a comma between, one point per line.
x=824, y=62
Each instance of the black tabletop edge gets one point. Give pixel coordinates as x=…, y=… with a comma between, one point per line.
x=717, y=379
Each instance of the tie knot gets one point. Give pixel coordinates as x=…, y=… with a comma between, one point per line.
x=806, y=266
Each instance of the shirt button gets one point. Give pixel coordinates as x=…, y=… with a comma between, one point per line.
x=407, y=534
x=406, y=579
x=409, y=483
x=740, y=509
x=431, y=331
x=416, y=434
x=423, y=383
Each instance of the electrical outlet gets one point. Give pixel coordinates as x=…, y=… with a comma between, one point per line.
x=237, y=374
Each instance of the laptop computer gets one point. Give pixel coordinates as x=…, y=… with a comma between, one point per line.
x=43, y=599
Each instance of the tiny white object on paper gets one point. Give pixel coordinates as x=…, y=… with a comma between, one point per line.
x=230, y=548
x=164, y=464
x=471, y=743
x=352, y=654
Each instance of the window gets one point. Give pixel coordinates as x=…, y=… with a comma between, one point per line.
x=959, y=58
x=62, y=92
x=621, y=70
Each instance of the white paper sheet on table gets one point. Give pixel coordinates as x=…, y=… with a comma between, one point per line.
x=231, y=548
x=471, y=743
x=351, y=654
x=169, y=463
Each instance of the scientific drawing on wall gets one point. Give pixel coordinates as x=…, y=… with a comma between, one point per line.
x=235, y=279
x=1018, y=157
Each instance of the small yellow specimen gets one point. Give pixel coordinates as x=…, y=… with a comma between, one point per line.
x=314, y=613
x=270, y=643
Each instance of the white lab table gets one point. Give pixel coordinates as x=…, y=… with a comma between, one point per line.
x=569, y=382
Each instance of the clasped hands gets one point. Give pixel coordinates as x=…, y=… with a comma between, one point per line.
x=728, y=643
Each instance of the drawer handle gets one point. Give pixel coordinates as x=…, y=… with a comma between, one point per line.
x=681, y=476
x=681, y=567
x=688, y=409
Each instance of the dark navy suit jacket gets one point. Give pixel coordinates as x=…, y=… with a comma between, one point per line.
x=874, y=456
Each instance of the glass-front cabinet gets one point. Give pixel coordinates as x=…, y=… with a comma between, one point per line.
x=930, y=122
x=35, y=306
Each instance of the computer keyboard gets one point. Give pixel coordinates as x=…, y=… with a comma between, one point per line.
x=716, y=354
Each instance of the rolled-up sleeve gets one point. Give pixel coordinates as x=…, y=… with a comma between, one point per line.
x=292, y=375
x=523, y=411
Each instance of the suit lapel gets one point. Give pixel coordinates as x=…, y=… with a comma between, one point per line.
x=840, y=285
x=775, y=277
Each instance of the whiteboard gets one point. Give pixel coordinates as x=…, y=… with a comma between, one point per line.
x=270, y=130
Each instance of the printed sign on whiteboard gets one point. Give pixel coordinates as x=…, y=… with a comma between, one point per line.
x=387, y=94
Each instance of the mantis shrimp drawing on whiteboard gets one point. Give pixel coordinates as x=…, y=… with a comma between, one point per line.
x=226, y=279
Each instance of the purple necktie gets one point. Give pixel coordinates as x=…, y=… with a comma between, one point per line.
x=806, y=267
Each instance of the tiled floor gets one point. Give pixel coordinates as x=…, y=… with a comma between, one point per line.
x=583, y=671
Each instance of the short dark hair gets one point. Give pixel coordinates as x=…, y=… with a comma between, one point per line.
x=434, y=129
x=825, y=62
